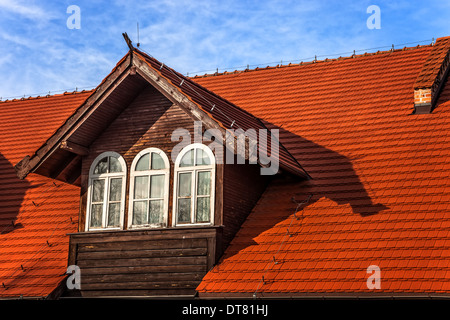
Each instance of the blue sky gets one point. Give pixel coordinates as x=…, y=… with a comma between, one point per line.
x=39, y=53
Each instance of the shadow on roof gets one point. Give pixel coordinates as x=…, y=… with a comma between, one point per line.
x=333, y=178
x=12, y=194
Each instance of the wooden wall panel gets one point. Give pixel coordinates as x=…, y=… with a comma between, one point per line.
x=243, y=186
x=143, y=263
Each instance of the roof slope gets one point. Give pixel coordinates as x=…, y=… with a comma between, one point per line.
x=381, y=192
x=431, y=67
x=227, y=114
x=38, y=209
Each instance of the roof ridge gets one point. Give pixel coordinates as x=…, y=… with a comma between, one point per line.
x=236, y=71
x=65, y=93
x=302, y=63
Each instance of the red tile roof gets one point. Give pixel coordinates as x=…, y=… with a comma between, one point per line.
x=381, y=188
x=431, y=67
x=381, y=194
x=36, y=210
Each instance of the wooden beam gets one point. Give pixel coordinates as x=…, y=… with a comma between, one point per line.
x=62, y=166
x=74, y=148
x=73, y=172
x=128, y=41
x=22, y=168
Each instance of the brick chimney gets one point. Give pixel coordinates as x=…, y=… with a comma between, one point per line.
x=432, y=76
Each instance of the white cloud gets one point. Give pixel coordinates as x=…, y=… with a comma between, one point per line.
x=18, y=40
x=5, y=59
x=25, y=9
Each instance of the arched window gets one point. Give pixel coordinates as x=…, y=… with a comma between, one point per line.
x=106, y=192
x=149, y=189
x=194, y=186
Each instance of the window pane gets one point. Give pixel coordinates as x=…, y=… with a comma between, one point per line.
x=115, y=189
x=96, y=215
x=101, y=166
x=114, y=165
x=204, y=183
x=184, y=184
x=141, y=187
x=139, y=212
x=188, y=159
x=202, y=158
x=143, y=163
x=157, y=162
x=157, y=186
x=184, y=210
x=114, y=215
x=202, y=214
x=98, y=188
x=156, y=211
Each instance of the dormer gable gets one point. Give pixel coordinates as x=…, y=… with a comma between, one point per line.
x=62, y=151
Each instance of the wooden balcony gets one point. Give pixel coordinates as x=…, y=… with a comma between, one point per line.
x=150, y=262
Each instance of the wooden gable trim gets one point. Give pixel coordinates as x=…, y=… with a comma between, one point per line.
x=30, y=164
x=173, y=93
x=113, y=85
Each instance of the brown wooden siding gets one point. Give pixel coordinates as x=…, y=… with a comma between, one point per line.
x=243, y=186
x=154, y=262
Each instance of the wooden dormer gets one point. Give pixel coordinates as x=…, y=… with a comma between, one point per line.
x=168, y=258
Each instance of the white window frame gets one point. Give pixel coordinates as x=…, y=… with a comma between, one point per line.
x=194, y=169
x=148, y=173
x=107, y=177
